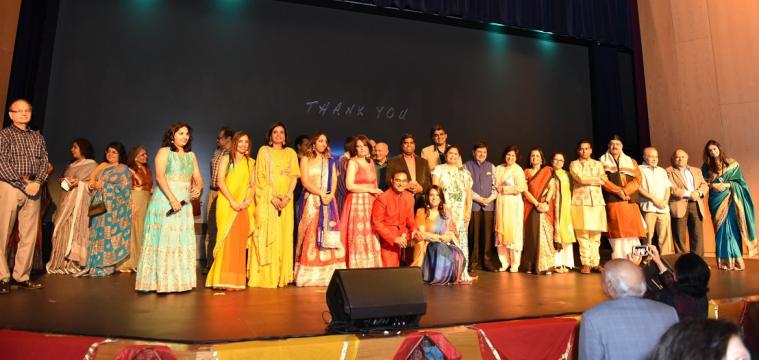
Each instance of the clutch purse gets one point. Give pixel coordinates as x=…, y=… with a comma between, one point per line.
x=97, y=206
x=96, y=209
x=331, y=240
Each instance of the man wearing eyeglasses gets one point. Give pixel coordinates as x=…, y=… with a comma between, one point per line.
x=435, y=153
x=393, y=218
x=23, y=170
x=223, y=144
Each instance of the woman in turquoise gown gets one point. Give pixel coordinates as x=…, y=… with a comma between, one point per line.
x=168, y=261
x=731, y=206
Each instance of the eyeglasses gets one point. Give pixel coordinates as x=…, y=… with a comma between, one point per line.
x=400, y=181
x=24, y=111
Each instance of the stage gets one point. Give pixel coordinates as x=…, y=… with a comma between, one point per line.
x=109, y=307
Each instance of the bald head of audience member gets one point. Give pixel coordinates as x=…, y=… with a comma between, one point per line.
x=680, y=158
x=622, y=278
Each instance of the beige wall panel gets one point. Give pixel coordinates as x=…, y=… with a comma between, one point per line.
x=699, y=98
x=734, y=29
x=9, y=10
x=690, y=19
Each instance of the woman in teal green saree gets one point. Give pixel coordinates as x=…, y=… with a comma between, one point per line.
x=731, y=206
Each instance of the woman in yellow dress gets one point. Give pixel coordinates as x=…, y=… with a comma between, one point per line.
x=270, y=259
x=564, y=232
x=234, y=216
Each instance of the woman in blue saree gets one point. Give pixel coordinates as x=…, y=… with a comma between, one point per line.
x=443, y=260
x=731, y=206
x=110, y=231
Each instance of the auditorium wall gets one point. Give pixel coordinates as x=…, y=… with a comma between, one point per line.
x=702, y=81
x=9, y=10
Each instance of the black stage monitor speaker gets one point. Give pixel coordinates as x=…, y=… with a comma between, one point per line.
x=364, y=300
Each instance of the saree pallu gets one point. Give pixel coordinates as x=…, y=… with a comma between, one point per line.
x=110, y=232
x=139, y=203
x=72, y=223
x=443, y=263
x=538, y=250
x=234, y=230
x=732, y=215
x=563, y=209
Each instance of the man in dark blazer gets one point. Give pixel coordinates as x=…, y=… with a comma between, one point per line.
x=408, y=161
x=686, y=203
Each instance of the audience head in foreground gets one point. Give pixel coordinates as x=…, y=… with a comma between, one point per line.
x=627, y=326
x=701, y=339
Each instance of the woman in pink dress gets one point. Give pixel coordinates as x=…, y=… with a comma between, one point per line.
x=363, y=247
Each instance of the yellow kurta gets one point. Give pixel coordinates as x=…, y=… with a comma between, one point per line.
x=228, y=269
x=270, y=259
x=588, y=205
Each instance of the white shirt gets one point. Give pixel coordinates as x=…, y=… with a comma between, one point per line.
x=689, y=181
x=655, y=182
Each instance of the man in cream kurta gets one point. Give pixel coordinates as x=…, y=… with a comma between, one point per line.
x=588, y=206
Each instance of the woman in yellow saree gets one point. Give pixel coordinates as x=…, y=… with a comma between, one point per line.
x=234, y=216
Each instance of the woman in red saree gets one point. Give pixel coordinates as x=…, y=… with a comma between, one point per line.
x=538, y=250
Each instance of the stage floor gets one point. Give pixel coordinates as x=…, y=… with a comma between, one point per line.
x=109, y=307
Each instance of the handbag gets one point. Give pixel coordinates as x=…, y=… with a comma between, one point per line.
x=97, y=208
x=331, y=239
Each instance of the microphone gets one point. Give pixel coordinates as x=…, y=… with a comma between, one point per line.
x=172, y=212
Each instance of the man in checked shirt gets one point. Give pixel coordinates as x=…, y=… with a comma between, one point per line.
x=23, y=169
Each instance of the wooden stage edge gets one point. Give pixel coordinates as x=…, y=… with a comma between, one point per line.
x=110, y=308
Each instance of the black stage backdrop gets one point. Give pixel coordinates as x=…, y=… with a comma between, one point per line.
x=124, y=70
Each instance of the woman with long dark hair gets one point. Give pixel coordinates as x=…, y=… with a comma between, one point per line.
x=731, y=207
x=168, y=260
x=234, y=216
x=316, y=256
x=270, y=259
x=444, y=261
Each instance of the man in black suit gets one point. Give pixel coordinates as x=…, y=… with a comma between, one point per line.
x=421, y=179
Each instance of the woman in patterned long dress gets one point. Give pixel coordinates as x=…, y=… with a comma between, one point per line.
x=564, y=232
x=731, y=206
x=110, y=231
x=444, y=261
x=168, y=260
x=456, y=183
x=69, y=253
x=509, y=210
x=270, y=260
x=142, y=187
x=234, y=216
x=362, y=245
x=316, y=262
x=538, y=249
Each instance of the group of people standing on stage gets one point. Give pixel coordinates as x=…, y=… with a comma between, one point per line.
x=359, y=210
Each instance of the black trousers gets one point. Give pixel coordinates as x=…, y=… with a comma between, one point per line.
x=693, y=222
x=482, y=251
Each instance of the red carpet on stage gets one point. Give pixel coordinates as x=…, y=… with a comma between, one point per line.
x=28, y=345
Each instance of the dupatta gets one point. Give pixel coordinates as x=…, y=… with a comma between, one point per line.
x=328, y=226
